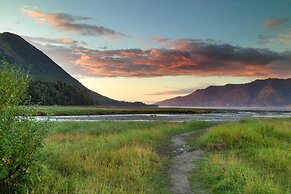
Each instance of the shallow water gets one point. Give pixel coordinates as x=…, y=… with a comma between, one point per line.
x=227, y=116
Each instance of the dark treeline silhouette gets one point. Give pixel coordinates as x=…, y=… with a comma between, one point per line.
x=58, y=93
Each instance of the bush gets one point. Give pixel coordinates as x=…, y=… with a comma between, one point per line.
x=20, y=134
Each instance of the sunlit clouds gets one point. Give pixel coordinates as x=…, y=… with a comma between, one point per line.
x=71, y=24
x=169, y=57
x=275, y=23
x=131, y=50
x=283, y=28
x=159, y=39
x=186, y=57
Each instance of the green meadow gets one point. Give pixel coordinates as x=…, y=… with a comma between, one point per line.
x=249, y=156
x=106, y=157
x=99, y=110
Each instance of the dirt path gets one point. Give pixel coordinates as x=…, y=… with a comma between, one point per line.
x=182, y=164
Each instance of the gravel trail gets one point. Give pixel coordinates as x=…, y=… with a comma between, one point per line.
x=182, y=164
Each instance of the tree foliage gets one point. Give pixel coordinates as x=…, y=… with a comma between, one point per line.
x=20, y=134
x=58, y=93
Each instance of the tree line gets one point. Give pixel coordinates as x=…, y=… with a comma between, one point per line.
x=57, y=93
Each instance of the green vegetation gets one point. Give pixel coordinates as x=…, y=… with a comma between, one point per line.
x=19, y=136
x=98, y=110
x=249, y=156
x=107, y=157
x=51, y=93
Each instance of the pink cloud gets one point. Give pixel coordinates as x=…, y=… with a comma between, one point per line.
x=275, y=23
x=68, y=23
x=159, y=39
x=185, y=57
x=190, y=57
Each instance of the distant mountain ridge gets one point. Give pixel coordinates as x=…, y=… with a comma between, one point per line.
x=18, y=51
x=270, y=92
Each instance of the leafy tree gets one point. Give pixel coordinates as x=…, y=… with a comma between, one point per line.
x=20, y=134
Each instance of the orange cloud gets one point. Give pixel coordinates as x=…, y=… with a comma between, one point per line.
x=68, y=23
x=66, y=40
x=275, y=23
x=185, y=57
x=188, y=58
x=159, y=39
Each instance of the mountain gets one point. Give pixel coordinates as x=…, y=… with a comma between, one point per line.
x=259, y=93
x=50, y=81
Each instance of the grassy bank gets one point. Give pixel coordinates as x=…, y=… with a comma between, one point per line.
x=249, y=156
x=107, y=157
x=96, y=110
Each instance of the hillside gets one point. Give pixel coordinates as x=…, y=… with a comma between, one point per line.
x=43, y=69
x=259, y=93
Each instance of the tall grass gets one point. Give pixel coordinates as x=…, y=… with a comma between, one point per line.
x=107, y=157
x=249, y=156
x=98, y=110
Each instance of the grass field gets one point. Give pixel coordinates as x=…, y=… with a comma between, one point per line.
x=107, y=157
x=96, y=110
x=249, y=156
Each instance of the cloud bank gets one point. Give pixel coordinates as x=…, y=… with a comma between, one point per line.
x=178, y=57
x=72, y=24
x=186, y=57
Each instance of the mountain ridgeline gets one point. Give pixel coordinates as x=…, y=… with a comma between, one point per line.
x=259, y=93
x=50, y=84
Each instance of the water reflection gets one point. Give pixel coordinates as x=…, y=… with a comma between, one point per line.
x=226, y=116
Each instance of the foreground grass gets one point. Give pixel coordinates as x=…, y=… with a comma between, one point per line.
x=96, y=110
x=107, y=157
x=250, y=156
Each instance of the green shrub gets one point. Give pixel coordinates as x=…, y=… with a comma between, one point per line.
x=20, y=134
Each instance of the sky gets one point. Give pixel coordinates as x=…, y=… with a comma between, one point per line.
x=152, y=50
